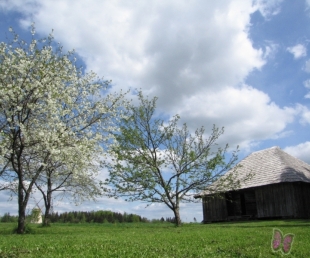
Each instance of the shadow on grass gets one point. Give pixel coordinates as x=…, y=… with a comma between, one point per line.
x=9, y=230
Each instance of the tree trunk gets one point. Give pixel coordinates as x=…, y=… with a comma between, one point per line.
x=47, y=221
x=23, y=198
x=21, y=220
x=47, y=200
x=21, y=210
x=177, y=217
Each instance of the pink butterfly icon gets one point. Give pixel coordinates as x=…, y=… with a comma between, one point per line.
x=279, y=242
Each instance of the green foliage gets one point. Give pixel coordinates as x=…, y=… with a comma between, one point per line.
x=239, y=239
x=155, y=160
x=8, y=218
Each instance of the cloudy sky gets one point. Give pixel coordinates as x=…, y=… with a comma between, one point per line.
x=241, y=64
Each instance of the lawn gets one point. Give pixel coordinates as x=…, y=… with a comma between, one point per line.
x=242, y=239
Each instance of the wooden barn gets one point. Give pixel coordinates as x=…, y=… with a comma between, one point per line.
x=279, y=188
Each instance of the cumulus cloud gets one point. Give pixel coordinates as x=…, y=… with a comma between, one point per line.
x=300, y=151
x=246, y=113
x=298, y=51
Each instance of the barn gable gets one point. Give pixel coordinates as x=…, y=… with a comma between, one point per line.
x=279, y=187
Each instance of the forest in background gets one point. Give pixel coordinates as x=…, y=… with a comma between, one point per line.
x=90, y=217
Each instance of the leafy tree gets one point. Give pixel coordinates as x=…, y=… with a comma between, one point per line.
x=157, y=161
x=54, y=120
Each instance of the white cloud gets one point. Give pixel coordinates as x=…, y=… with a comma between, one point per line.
x=163, y=47
x=270, y=49
x=246, y=113
x=298, y=51
x=304, y=114
x=268, y=8
x=300, y=151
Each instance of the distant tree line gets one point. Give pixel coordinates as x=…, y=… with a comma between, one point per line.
x=168, y=219
x=95, y=217
x=85, y=217
x=92, y=217
x=8, y=218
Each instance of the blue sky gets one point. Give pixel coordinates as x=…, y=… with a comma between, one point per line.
x=241, y=64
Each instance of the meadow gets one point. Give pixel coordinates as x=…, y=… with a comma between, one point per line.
x=238, y=239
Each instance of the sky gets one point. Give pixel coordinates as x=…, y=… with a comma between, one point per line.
x=240, y=64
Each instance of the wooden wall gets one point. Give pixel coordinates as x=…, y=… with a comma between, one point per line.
x=233, y=203
x=285, y=200
x=214, y=208
x=250, y=203
x=275, y=200
x=302, y=200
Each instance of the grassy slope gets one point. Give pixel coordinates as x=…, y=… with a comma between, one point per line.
x=247, y=239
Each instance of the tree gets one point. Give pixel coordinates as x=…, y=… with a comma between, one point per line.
x=154, y=160
x=56, y=178
x=53, y=117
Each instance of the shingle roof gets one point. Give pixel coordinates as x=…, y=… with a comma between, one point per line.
x=271, y=166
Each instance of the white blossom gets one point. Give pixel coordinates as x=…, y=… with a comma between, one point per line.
x=51, y=113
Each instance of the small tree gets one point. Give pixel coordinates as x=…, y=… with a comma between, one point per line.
x=157, y=161
x=67, y=183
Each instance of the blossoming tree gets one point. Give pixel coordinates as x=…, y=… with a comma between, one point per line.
x=53, y=117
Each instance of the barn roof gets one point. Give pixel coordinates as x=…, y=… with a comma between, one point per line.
x=270, y=166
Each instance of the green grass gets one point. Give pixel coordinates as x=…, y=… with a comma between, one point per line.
x=242, y=239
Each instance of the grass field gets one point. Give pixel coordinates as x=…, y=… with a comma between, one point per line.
x=242, y=239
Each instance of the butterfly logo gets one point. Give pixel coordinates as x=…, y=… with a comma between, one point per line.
x=280, y=242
